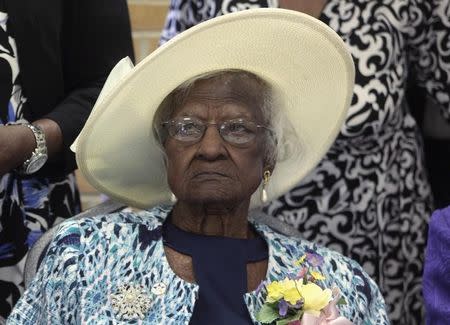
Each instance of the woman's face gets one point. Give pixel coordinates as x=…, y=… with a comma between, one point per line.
x=213, y=170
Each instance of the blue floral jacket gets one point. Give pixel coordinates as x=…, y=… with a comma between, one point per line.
x=90, y=258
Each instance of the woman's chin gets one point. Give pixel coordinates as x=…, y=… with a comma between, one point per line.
x=211, y=196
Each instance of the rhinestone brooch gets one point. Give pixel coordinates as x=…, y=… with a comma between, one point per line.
x=130, y=302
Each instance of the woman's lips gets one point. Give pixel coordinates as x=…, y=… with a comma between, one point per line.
x=209, y=175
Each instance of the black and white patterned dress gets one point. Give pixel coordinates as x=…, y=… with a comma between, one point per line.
x=29, y=205
x=369, y=198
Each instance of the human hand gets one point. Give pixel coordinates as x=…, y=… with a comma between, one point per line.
x=17, y=144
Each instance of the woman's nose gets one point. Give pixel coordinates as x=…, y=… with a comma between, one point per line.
x=212, y=146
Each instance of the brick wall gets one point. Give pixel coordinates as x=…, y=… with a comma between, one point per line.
x=147, y=19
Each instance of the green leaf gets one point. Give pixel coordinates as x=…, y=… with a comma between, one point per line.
x=267, y=314
x=341, y=301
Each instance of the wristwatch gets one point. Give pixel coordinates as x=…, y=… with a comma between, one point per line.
x=39, y=155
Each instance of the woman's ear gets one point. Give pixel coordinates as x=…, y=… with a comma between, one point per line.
x=269, y=160
x=268, y=167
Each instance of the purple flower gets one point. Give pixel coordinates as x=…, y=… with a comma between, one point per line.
x=298, y=305
x=315, y=260
x=282, y=307
x=260, y=287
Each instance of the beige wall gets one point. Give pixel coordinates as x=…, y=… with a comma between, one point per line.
x=147, y=19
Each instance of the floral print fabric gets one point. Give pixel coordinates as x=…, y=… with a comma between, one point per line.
x=90, y=259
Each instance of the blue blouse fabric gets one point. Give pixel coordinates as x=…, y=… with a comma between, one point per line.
x=90, y=258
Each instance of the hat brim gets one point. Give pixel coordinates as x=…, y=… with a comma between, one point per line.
x=304, y=60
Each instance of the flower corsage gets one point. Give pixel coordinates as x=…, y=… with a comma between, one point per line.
x=300, y=299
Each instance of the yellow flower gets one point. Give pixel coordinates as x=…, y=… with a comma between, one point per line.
x=274, y=291
x=286, y=289
x=292, y=295
x=317, y=276
x=315, y=299
x=300, y=260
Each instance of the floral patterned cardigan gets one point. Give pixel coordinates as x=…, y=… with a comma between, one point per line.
x=90, y=259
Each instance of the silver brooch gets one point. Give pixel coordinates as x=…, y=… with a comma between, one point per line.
x=130, y=302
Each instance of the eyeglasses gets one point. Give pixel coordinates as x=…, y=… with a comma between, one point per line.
x=237, y=131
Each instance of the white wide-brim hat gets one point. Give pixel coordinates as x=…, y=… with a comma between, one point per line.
x=305, y=62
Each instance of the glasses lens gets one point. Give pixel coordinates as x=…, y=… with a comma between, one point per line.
x=186, y=129
x=238, y=131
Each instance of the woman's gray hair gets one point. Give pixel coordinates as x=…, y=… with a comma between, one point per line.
x=277, y=144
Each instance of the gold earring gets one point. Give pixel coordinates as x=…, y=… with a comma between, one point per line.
x=173, y=198
x=266, y=178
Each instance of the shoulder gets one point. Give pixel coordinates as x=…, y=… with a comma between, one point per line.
x=89, y=242
x=440, y=222
x=85, y=234
x=364, y=300
x=292, y=248
x=439, y=235
x=81, y=226
x=438, y=246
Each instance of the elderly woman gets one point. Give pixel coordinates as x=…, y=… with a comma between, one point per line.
x=369, y=197
x=219, y=137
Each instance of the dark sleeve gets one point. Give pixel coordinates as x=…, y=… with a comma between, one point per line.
x=96, y=35
x=429, y=49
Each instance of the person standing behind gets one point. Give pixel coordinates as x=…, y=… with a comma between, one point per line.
x=54, y=58
x=436, y=282
x=370, y=197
